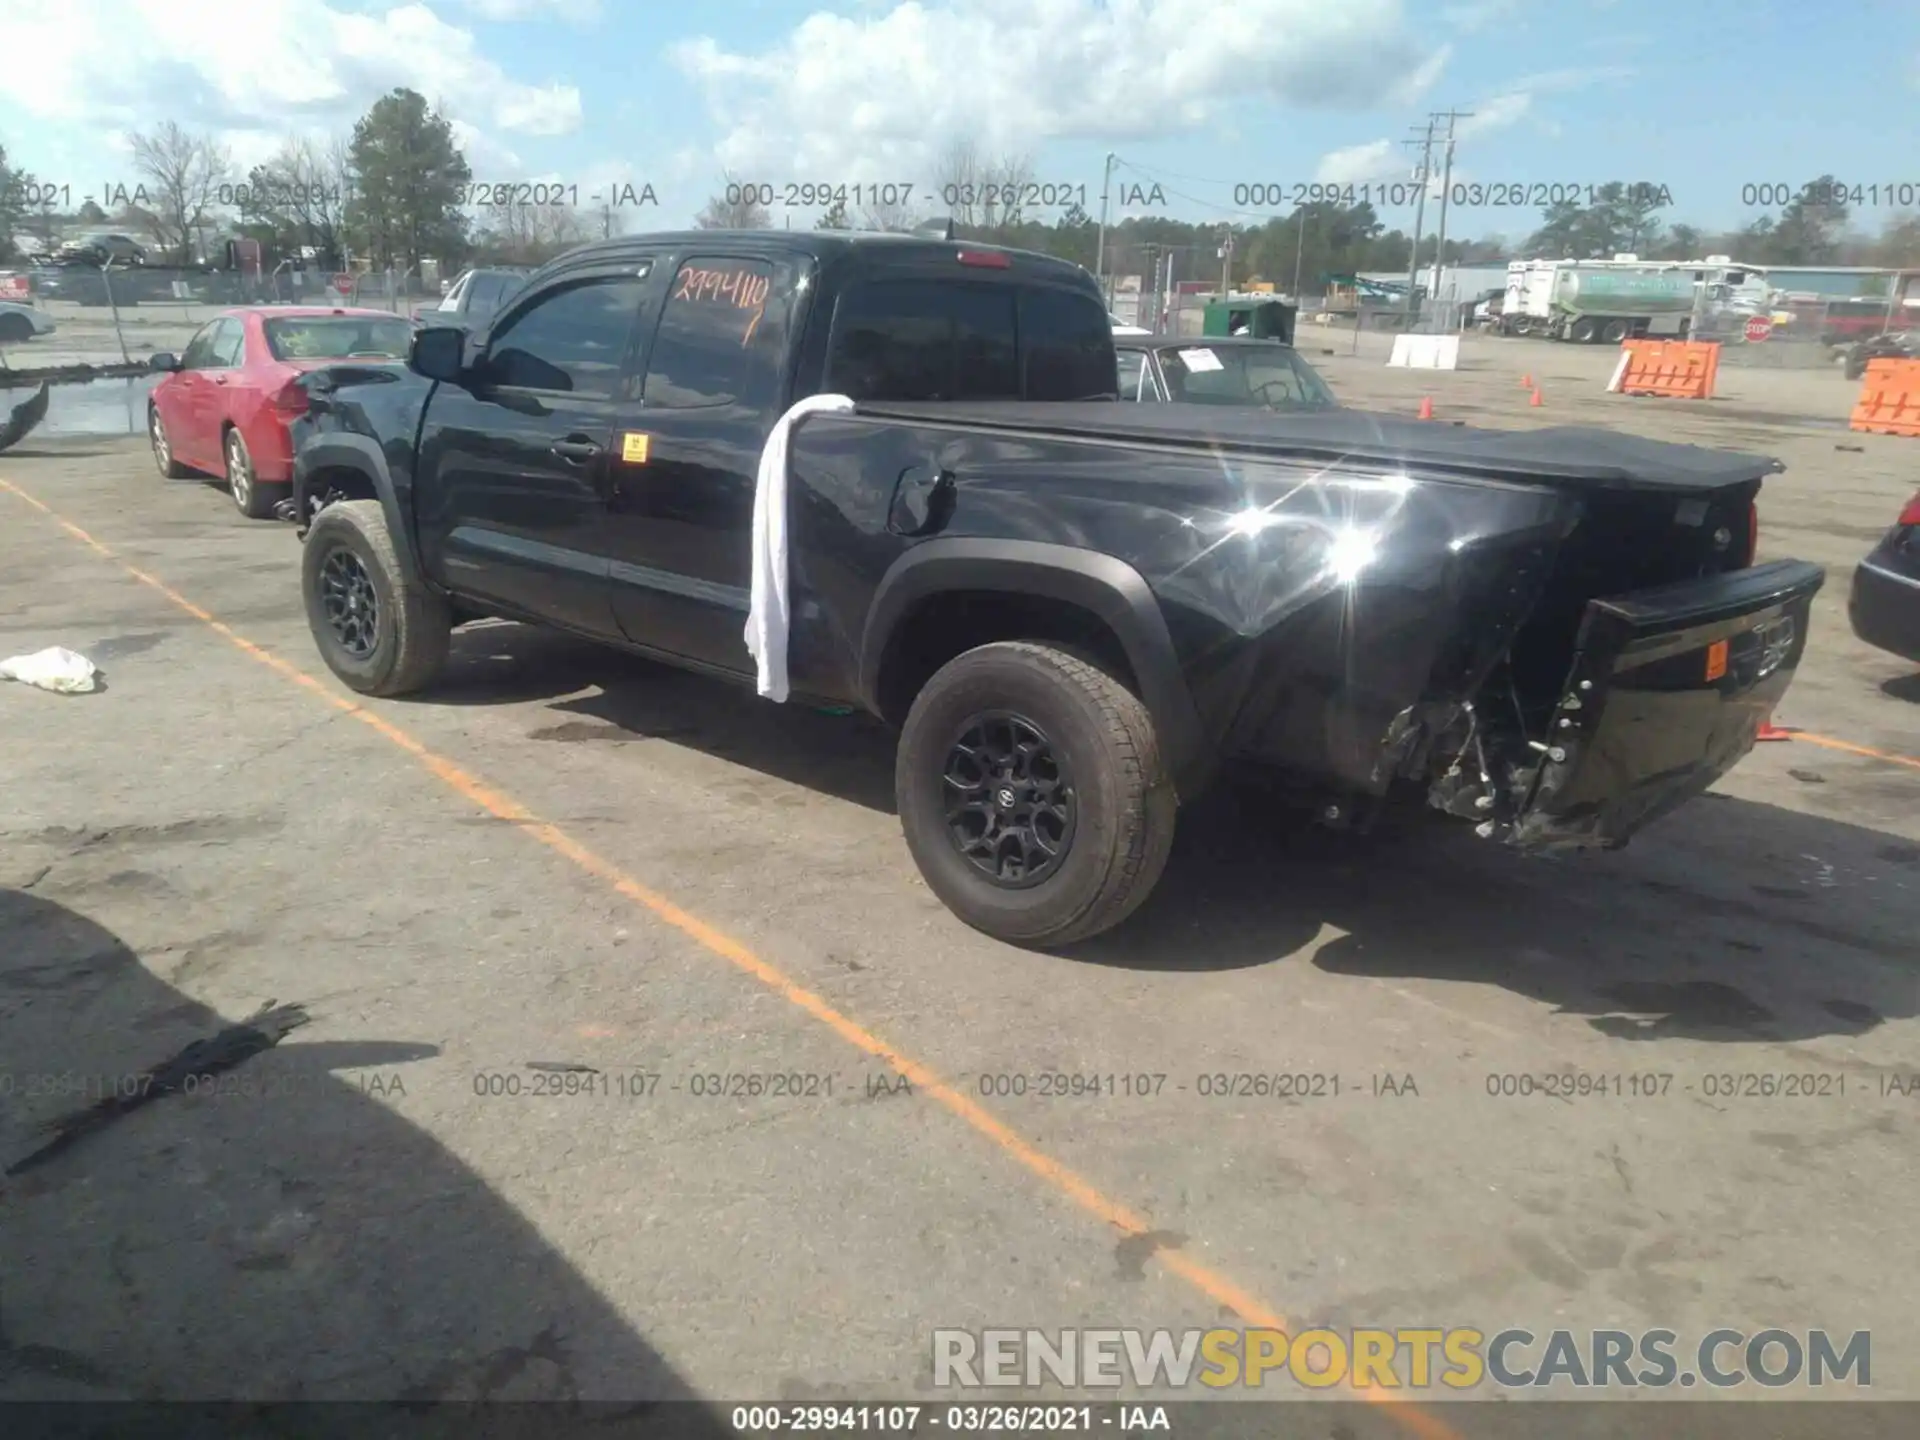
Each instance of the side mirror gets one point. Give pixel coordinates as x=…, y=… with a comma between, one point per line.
x=438, y=352
x=163, y=361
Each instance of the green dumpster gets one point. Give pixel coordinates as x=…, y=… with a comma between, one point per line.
x=1256, y=319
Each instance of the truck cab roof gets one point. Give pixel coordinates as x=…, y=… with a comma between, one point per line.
x=868, y=250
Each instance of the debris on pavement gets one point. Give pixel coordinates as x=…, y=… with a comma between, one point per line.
x=63, y=671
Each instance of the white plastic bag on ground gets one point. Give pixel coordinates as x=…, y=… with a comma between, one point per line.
x=62, y=671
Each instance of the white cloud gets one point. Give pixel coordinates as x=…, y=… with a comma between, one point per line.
x=1495, y=114
x=577, y=12
x=875, y=98
x=293, y=66
x=1362, y=164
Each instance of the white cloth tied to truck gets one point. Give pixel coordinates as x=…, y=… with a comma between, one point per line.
x=769, y=615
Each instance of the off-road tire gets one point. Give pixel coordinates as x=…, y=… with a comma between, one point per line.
x=156, y=427
x=1124, y=797
x=412, y=622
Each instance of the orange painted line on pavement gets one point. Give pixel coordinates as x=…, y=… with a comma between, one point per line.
x=1851, y=749
x=1082, y=1192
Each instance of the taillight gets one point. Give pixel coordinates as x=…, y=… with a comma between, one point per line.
x=1910, y=515
x=991, y=259
x=290, y=401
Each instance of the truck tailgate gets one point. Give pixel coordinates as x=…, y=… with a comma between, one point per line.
x=1667, y=690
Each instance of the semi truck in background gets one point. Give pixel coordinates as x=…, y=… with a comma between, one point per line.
x=1626, y=298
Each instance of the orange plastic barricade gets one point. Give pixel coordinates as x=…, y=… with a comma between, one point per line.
x=1889, y=401
x=1674, y=369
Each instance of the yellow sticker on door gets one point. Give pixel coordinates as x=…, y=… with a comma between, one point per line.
x=1716, y=659
x=633, y=449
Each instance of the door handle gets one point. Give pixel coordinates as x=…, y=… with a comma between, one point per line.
x=576, y=449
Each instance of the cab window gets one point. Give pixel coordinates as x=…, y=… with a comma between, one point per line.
x=572, y=341
x=722, y=336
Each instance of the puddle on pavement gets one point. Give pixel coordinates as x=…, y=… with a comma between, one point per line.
x=115, y=406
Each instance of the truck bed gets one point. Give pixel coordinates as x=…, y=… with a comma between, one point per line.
x=1581, y=457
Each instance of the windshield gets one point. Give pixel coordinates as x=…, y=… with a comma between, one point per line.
x=1273, y=376
x=335, y=337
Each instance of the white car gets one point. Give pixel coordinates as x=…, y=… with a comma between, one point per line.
x=22, y=322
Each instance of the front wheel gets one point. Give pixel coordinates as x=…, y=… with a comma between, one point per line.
x=379, y=628
x=1033, y=794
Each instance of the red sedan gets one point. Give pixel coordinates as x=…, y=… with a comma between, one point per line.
x=224, y=406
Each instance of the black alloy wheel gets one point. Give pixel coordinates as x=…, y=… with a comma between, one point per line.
x=1010, y=803
x=350, y=602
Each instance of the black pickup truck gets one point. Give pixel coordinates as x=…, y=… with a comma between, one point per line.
x=1074, y=610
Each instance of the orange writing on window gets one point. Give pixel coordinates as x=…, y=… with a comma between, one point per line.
x=1716, y=659
x=741, y=289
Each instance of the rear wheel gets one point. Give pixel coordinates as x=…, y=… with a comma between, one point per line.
x=163, y=447
x=1615, y=332
x=252, y=498
x=1033, y=795
x=1583, y=330
x=380, y=629
x=15, y=329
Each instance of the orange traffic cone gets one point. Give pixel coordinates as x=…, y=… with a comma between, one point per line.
x=1526, y=382
x=1426, y=407
x=1770, y=731
x=1536, y=400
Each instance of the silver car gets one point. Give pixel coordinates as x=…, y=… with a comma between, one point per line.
x=20, y=323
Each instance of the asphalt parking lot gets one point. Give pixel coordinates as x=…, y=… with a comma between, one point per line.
x=569, y=858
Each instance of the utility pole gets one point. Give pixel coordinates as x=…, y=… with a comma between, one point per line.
x=1422, y=174
x=1100, y=245
x=1226, y=261
x=1299, y=254
x=1446, y=188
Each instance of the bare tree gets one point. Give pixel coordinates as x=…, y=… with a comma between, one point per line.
x=959, y=180
x=521, y=233
x=1006, y=178
x=736, y=207
x=186, y=171
x=299, y=198
x=980, y=191
x=882, y=216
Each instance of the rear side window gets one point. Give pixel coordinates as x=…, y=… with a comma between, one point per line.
x=229, y=344
x=926, y=340
x=483, y=293
x=1068, y=341
x=722, y=336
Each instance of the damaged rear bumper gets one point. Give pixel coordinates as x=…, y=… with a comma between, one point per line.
x=1667, y=691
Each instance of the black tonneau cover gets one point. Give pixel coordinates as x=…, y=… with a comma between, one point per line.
x=1585, y=455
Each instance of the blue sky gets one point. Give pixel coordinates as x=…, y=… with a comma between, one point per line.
x=1200, y=95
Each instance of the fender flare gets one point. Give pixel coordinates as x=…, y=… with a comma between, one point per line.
x=360, y=453
x=1108, y=587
